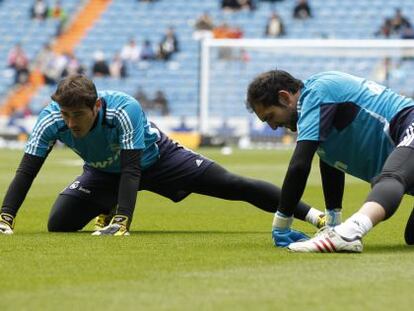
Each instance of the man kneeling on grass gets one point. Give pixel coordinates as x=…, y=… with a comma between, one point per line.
x=357, y=127
x=123, y=153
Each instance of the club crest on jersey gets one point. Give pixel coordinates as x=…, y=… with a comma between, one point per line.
x=74, y=185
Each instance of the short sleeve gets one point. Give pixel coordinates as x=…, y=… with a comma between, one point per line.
x=309, y=117
x=44, y=133
x=130, y=121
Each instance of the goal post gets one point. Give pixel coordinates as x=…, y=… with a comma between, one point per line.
x=228, y=65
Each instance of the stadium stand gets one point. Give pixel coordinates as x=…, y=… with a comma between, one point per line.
x=178, y=78
x=16, y=26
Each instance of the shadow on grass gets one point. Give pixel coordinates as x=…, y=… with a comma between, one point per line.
x=151, y=232
x=147, y=233
x=387, y=248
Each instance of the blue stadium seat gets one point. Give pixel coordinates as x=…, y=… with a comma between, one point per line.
x=16, y=26
x=127, y=19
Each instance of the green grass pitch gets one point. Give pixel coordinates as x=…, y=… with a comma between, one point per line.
x=200, y=254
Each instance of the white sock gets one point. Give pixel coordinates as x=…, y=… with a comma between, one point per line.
x=312, y=216
x=354, y=227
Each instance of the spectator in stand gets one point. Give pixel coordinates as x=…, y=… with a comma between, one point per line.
x=385, y=29
x=130, y=52
x=168, y=45
x=21, y=68
x=399, y=22
x=302, y=10
x=19, y=62
x=274, y=27
x=117, y=67
x=55, y=68
x=221, y=31
x=204, y=22
x=43, y=59
x=224, y=31
x=100, y=67
x=142, y=98
x=236, y=5
x=73, y=65
x=58, y=12
x=248, y=5
x=230, y=5
x=407, y=33
x=203, y=27
x=160, y=103
x=147, y=52
x=16, y=54
x=235, y=33
x=39, y=10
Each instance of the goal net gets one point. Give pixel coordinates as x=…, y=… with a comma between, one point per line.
x=227, y=67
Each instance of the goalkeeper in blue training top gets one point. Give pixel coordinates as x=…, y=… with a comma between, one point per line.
x=123, y=152
x=356, y=126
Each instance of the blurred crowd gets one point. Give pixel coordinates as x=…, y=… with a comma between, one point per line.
x=141, y=52
x=396, y=26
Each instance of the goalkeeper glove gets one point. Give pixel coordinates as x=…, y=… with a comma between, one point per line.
x=118, y=226
x=102, y=221
x=282, y=234
x=321, y=222
x=6, y=223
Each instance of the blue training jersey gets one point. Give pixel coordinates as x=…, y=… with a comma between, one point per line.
x=121, y=124
x=350, y=117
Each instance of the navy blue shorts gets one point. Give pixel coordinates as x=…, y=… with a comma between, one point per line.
x=172, y=176
x=402, y=133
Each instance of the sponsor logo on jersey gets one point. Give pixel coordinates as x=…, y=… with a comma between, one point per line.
x=115, y=147
x=108, y=162
x=198, y=162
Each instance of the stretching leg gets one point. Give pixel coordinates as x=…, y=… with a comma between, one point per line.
x=218, y=182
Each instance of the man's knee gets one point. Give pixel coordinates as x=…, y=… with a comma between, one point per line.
x=66, y=215
x=53, y=226
x=388, y=190
x=57, y=223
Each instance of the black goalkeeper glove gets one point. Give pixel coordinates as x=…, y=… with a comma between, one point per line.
x=6, y=223
x=119, y=226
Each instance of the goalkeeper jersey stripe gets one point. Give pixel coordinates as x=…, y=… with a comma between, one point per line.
x=350, y=117
x=121, y=124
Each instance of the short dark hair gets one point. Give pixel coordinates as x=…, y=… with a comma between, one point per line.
x=76, y=91
x=264, y=89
